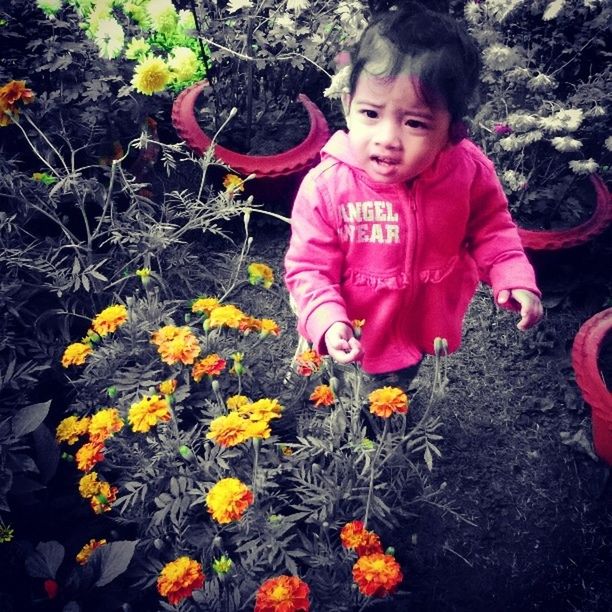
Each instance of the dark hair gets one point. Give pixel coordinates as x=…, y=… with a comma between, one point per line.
x=441, y=53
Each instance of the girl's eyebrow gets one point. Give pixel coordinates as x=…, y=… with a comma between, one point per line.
x=414, y=112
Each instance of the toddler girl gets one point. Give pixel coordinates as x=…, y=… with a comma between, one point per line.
x=403, y=215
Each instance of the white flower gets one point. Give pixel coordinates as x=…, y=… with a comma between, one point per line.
x=566, y=120
x=522, y=122
x=233, y=6
x=186, y=20
x=501, y=57
x=163, y=15
x=596, y=111
x=109, y=38
x=297, y=5
x=608, y=143
x=339, y=83
x=500, y=9
x=553, y=9
x=565, y=144
x=285, y=21
x=473, y=12
x=583, y=166
x=515, y=181
x=518, y=74
x=541, y=82
x=516, y=142
x=183, y=62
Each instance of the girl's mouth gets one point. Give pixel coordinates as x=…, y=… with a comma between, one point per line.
x=385, y=161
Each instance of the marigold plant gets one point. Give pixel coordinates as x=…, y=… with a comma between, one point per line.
x=228, y=500
x=354, y=536
x=387, y=401
x=377, y=575
x=148, y=412
x=322, y=395
x=179, y=579
x=83, y=555
x=110, y=319
x=76, y=354
x=283, y=594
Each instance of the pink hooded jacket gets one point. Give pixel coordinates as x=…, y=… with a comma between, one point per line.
x=405, y=257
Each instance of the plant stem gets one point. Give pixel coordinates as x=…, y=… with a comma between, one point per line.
x=255, y=468
x=381, y=444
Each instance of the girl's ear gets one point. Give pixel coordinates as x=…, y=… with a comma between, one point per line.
x=345, y=97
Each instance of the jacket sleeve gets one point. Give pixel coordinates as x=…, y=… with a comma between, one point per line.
x=313, y=263
x=493, y=236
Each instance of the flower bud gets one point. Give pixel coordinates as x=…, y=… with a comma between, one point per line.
x=158, y=543
x=215, y=386
x=185, y=452
x=112, y=392
x=217, y=541
x=440, y=346
x=333, y=384
x=67, y=457
x=390, y=551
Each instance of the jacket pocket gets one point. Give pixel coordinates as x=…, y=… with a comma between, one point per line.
x=439, y=273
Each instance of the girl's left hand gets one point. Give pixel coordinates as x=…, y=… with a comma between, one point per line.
x=526, y=302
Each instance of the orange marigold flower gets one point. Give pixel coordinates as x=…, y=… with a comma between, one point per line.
x=204, y=305
x=10, y=94
x=88, y=455
x=268, y=327
x=322, y=395
x=149, y=411
x=235, y=402
x=357, y=327
x=387, y=401
x=179, y=579
x=308, y=362
x=283, y=594
x=228, y=430
x=228, y=500
x=76, y=354
x=225, y=316
x=176, y=344
x=249, y=324
x=110, y=319
x=377, y=575
x=167, y=387
x=260, y=274
x=102, y=501
x=354, y=536
x=71, y=428
x=83, y=555
x=104, y=424
x=211, y=365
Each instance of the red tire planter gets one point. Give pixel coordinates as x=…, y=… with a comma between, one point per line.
x=585, y=356
x=552, y=240
x=291, y=164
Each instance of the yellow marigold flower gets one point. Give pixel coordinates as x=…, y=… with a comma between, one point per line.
x=151, y=75
x=354, y=536
x=168, y=387
x=258, y=429
x=83, y=555
x=137, y=48
x=146, y=413
x=89, y=485
x=308, y=362
x=228, y=500
x=377, y=575
x=183, y=63
x=204, y=305
x=269, y=327
x=76, y=354
x=10, y=94
x=104, y=498
x=283, y=594
x=260, y=274
x=88, y=455
x=104, y=424
x=211, y=365
x=228, y=430
x=71, y=428
x=226, y=316
x=262, y=410
x=235, y=402
x=165, y=333
x=233, y=183
x=109, y=319
x=387, y=401
x=179, y=579
x=144, y=274
x=322, y=395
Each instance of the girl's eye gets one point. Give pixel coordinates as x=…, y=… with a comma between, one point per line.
x=416, y=124
x=370, y=114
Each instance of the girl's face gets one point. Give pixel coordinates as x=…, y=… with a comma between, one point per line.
x=393, y=134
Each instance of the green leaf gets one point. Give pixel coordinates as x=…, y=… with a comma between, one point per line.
x=29, y=418
x=113, y=559
x=45, y=562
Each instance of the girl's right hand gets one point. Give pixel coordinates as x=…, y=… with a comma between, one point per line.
x=342, y=345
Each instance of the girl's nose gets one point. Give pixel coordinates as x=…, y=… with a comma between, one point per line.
x=387, y=134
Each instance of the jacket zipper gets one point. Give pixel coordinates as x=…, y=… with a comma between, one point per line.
x=411, y=247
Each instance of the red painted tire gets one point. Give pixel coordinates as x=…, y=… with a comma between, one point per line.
x=552, y=240
x=296, y=159
x=585, y=357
